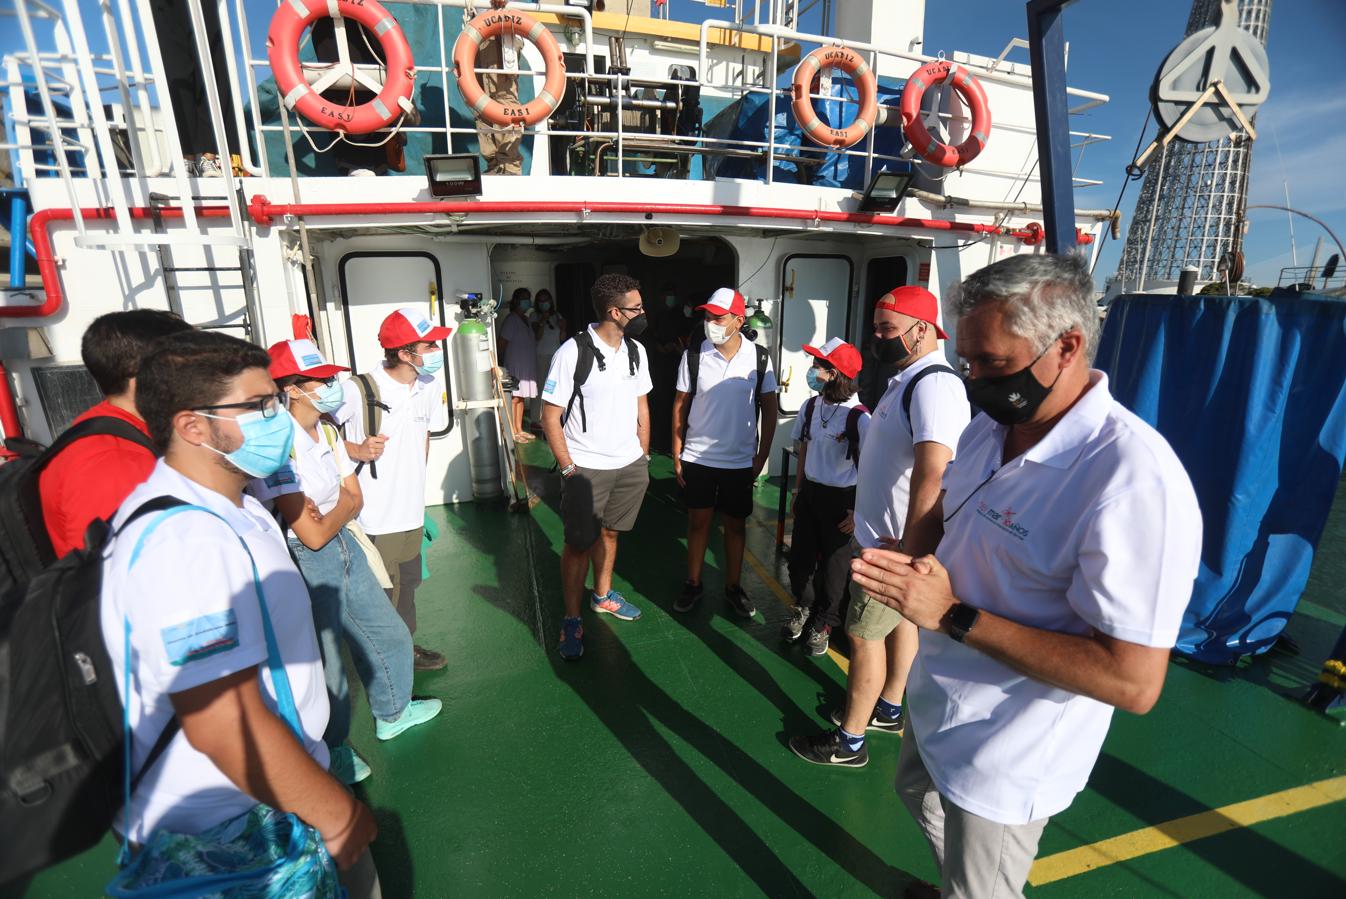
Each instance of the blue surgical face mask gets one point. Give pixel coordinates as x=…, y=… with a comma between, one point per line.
x=525, y=305
x=431, y=362
x=544, y=305
x=814, y=381
x=329, y=397
x=266, y=442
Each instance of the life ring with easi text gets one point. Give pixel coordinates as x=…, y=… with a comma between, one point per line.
x=801, y=87
x=913, y=126
x=292, y=19
x=507, y=22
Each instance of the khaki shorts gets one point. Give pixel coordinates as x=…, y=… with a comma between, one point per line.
x=868, y=618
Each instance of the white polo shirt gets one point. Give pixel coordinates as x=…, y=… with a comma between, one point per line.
x=395, y=501
x=1096, y=527
x=722, y=427
x=939, y=413
x=194, y=618
x=316, y=469
x=825, y=461
x=610, y=403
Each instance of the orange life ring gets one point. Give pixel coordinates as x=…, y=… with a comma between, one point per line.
x=493, y=24
x=973, y=95
x=288, y=25
x=851, y=63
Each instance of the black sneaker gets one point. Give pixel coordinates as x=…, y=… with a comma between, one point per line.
x=691, y=595
x=739, y=599
x=877, y=722
x=829, y=749
x=794, y=627
x=816, y=638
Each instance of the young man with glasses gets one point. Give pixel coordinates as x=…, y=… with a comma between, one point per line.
x=392, y=462
x=597, y=423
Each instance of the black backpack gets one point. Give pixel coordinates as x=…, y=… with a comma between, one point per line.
x=25, y=547
x=694, y=369
x=911, y=389
x=62, y=750
x=587, y=354
x=374, y=407
x=852, y=427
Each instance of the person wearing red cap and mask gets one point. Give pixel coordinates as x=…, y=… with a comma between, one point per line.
x=917, y=423
x=717, y=453
x=391, y=464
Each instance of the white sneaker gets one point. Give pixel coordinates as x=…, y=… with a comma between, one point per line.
x=209, y=168
x=362, y=173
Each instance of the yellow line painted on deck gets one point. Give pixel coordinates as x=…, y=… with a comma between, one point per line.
x=787, y=600
x=1185, y=830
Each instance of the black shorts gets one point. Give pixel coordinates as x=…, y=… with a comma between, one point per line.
x=597, y=498
x=726, y=490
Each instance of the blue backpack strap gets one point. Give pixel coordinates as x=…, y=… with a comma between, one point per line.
x=853, y=432
x=911, y=389
x=806, y=434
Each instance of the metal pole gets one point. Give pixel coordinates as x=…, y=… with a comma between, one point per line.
x=1047, y=53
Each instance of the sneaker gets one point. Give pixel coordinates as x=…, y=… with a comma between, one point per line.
x=738, y=598
x=794, y=627
x=362, y=173
x=571, y=646
x=346, y=766
x=691, y=595
x=418, y=711
x=817, y=638
x=428, y=659
x=877, y=722
x=829, y=749
x=614, y=604
x=209, y=168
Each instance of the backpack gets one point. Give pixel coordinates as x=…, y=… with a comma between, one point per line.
x=587, y=354
x=694, y=368
x=25, y=546
x=62, y=745
x=374, y=408
x=852, y=427
x=911, y=389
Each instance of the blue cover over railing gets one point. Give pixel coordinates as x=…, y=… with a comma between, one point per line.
x=1251, y=393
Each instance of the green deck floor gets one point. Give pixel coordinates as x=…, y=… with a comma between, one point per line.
x=656, y=766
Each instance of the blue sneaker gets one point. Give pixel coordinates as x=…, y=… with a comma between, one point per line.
x=346, y=766
x=614, y=604
x=571, y=646
x=418, y=711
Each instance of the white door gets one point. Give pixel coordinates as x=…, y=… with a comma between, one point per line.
x=815, y=306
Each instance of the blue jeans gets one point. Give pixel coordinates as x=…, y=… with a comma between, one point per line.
x=347, y=597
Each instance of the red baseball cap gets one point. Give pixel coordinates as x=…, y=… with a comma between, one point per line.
x=407, y=326
x=844, y=357
x=725, y=300
x=300, y=357
x=915, y=301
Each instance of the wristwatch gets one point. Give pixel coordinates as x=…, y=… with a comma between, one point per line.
x=962, y=618
x=568, y=470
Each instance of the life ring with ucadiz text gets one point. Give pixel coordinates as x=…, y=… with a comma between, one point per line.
x=288, y=25
x=495, y=24
x=801, y=86
x=970, y=89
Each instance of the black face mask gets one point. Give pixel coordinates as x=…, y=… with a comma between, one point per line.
x=1010, y=399
x=893, y=350
x=635, y=326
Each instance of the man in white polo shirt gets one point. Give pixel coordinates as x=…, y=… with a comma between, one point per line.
x=911, y=438
x=1071, y=538
x=597, y=422
x=725, y=384
x=401, y=402
x=180, y=590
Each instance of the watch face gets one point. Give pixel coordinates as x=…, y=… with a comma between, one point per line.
x=961, y=619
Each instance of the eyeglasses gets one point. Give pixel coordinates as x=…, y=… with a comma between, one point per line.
x=636, y=309
x=269, y=406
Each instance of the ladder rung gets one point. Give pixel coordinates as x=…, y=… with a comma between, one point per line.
x=207, y=268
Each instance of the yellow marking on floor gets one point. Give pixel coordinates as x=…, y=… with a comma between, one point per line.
x=787, y=600
x=1185, y=830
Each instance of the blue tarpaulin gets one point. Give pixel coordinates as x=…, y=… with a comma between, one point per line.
x=1251, y=394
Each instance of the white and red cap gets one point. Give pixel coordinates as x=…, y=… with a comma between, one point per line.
x=407, y=326
x=840, y=354
x=300, y=357
x=915, y=301
x=726, y=300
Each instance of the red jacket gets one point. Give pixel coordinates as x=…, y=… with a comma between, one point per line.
x=89, y=480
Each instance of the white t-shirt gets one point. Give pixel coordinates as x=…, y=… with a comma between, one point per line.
x=192, y=606
x=939, y=413
x=1095, y=527
x=395, y=501
x=611, y=403
x=316, y=469
x=825, y=461
x=722, y=428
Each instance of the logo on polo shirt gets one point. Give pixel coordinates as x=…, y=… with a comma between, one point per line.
x=1005, y=519
x=200, y=638
x=550, y=386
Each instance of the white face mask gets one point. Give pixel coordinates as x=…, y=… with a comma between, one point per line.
x=718, y=334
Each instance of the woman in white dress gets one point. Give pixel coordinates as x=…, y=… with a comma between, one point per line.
x=518, y=352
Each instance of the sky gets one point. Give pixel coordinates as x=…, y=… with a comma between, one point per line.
x=1116, y=48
